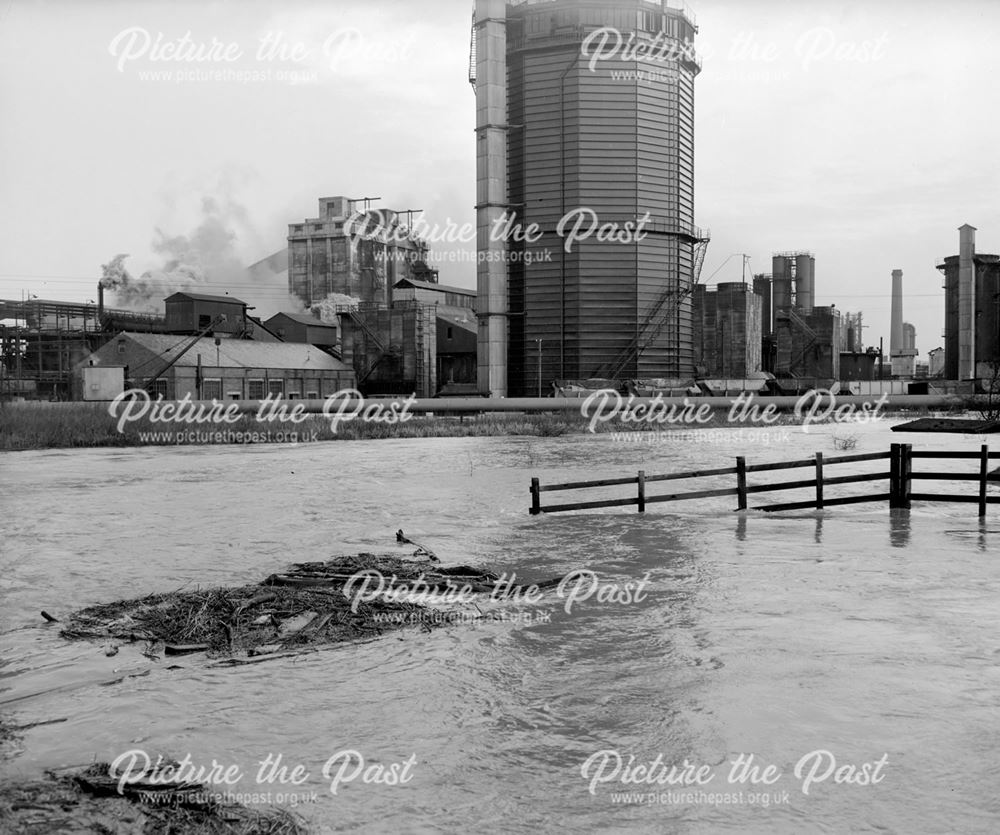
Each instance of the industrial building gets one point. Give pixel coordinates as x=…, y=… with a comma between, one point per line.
x=802, y=343
x=42, y=341
x=211, y=349
x=305, y=328
x=365, y=273
x=356, y=252
x=728, y=331
x=207, y=368
x=972, y=311
x=559, y=133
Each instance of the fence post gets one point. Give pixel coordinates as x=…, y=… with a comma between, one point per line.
x=741, y=483
x=984, y=467
x=905, y=472
x=642, y=491
x=894, y=459
x=819, y=480
x=535, y=498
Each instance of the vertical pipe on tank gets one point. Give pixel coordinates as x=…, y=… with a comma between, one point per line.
x=966, y=303
x=491, y=194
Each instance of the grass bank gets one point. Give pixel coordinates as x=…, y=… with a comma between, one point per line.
x=58, y=425
x=25, y=426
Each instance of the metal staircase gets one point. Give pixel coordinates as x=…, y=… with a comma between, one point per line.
x=665, y=307
x=811, y=339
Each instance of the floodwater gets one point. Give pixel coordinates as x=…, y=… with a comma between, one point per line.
x=870, y=635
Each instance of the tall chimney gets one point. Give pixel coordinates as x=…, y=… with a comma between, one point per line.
x=491, y=194
x=100, y=303
x=896, y=328
x=966, y=302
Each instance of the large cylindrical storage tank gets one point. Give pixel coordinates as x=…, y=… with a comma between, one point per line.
x=593, y=139
x=805, y=282
x=781, y=283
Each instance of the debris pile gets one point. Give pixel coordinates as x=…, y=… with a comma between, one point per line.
x=305, y=607
x=90, y=801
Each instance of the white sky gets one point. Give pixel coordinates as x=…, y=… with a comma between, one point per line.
x=864, y=132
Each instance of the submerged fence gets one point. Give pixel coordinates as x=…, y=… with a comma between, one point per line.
x=899, y=478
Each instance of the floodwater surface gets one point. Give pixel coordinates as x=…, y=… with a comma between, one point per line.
x=856, y=645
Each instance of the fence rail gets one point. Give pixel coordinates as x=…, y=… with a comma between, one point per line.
x=900, y=477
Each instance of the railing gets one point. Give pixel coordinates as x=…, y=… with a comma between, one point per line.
x=900, y=478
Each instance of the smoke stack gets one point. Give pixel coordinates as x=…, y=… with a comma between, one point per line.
x=100, y=303
x=896, y=326
x=491, y=193
x=966, y=302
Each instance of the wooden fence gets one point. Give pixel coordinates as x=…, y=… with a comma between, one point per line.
x=899, y=478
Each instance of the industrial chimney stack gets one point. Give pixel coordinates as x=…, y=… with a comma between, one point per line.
x=491, y=194
x=966, y=303
x=896, y=326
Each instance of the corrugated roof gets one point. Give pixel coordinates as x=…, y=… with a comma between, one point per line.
x=202, y=297
x=304, y=319
x=430, y=285
x=239, y=353
x=461, y=316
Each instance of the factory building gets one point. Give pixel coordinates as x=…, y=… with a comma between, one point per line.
x=176, y=366
x=566, y=139
x=305, y=328
x=365, y=272
x=935, y=363
x=802, y=343
x=347, y=251
x=211, y=349
x=728, y=331
x=852, y=332
x=972, y=311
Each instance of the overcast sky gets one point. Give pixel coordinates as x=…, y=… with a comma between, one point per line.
x=863, y=132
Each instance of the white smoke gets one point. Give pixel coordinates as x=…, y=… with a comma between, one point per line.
x=206, y=260
x=326, y=309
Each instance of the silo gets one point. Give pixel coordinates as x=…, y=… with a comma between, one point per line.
x=762, y=287
x=805, y=282
x=781, y=282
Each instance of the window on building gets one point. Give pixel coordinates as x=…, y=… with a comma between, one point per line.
x=255, y=389
x=449, y=331
x=204, y=321
x=233, y=395
x=121, y=346
x=211, y=389
x=276, y=387
x=157, y=389
x=312, y=395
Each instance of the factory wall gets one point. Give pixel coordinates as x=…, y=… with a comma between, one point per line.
x=392, y=350
x=808, y=343
x=728, y=331
x=190, y=313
